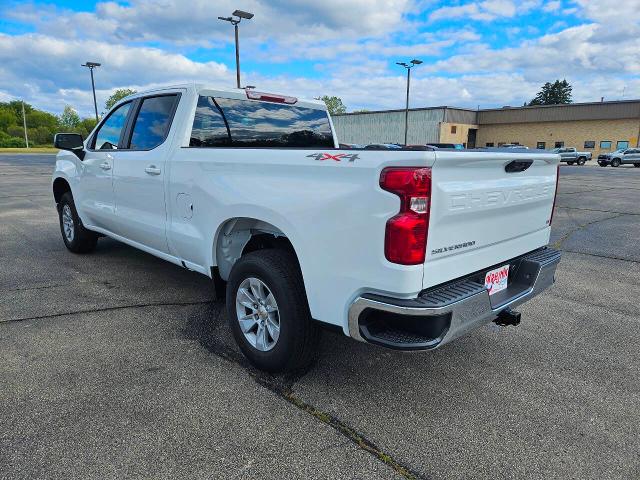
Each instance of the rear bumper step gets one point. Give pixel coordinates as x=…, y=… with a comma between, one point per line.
x=440, y=314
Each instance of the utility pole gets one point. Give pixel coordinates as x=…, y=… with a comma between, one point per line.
x=24, y=124
x=408, y=66
x=239, y=15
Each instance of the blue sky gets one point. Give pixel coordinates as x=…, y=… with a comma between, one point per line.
x=487, y=53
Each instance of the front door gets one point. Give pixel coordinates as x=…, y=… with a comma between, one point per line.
x=140, y=173
x=94, y=200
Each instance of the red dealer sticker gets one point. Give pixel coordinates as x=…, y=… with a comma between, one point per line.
x=497, y=279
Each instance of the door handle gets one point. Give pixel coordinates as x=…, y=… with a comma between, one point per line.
x=152, y=170
x=105, y=166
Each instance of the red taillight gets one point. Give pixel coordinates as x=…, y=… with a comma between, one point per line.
x=405, y=238
x=555, y=195
x=270, y=97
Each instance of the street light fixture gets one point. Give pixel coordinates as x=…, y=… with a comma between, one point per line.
x=91, y=66
x=239, y=15
x=408, y=66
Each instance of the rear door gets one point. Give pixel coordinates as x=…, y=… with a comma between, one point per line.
x=140, y=172
x=631, y=156
x=487, y=207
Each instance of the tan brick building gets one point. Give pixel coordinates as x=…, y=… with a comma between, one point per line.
x=596, y=127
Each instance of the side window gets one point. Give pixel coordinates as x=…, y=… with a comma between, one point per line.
x=153, y=122
x=254, y=124
x=209, y=127
x=108, y=136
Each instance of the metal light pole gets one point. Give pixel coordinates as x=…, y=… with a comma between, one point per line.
x=91, y=66
x=239, y=15
x=408, y=66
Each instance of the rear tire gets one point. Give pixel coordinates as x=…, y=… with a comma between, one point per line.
x=615, y=162
x=265, y=291
x=76, y=238
x=581, y=161
x=637, y=165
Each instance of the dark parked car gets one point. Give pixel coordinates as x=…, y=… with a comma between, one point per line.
x=383, y=146
x=455, y=146
x=617, y=158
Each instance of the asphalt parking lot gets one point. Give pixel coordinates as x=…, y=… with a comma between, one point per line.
x=117, y=364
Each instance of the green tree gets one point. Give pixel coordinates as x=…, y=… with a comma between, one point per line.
x=38, y=118
x=85, y=126
x=7, y=118
x=553, y=94
x=15, y=131
x=69, y=120
x=116, y=96
x=334, y=104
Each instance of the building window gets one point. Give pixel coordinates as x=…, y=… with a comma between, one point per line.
x=605, y=144
x=622, y=144
x=589, y=144
x=559, y=145
x=489, y=144
x=454, y=128
x=541, y=145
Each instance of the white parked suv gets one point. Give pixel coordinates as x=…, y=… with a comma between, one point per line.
x=407, y=249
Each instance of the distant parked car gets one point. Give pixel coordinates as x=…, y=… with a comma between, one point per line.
x=455, y=146
x=570, y=155
x=514, y=145
x=383, y=146
x=617, y=158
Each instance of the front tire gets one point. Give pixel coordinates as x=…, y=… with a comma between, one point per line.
x=268, y=312
x=76, y=238
x=615, y=162
x=637, y=165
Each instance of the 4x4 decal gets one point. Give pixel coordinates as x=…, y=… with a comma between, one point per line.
x=338, y=157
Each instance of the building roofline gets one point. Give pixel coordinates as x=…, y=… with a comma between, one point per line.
x=441, y=107
x=567, y=105
x=497, y=109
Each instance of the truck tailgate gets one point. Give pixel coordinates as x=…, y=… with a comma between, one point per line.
x=486, y=207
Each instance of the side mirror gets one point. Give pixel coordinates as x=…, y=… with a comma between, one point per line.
x=71, y=142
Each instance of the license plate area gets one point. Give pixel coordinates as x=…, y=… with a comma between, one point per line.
x=497, y=280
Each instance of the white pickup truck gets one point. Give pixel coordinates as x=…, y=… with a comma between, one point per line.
x=405, y=249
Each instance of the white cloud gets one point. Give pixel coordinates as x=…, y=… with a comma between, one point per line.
x=484, y=11
x=552, y=6
x=354, y=44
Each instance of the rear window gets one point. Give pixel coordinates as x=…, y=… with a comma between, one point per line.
x=153, y=122
x=225, y=122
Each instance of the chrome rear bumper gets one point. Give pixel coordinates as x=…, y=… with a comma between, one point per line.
x=446, y=312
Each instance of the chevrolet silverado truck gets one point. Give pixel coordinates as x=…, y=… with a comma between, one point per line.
x=406, y=249
x=570, y=155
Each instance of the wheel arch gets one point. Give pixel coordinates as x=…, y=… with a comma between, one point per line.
x=60, y=187
x=240, y=235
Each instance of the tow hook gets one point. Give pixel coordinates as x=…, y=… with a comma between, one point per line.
x=507, y=317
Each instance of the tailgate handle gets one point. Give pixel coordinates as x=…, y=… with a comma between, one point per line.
x=517, y=166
